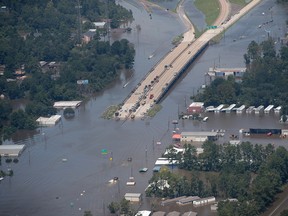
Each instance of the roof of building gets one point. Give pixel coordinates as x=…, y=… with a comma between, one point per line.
x=132, y=194
x=169, y=201
x=188, y=199
x=143, y=213
x=190, y=213
x=99, y=24
x=213, y=69
x=196, y=104
x=43, y=121
x=65, y=104
x=199, y=133
x=234, y=142
x=11, y=150
x=205, y=199
x=89, y=33
x=173, y=213
x=159, y=213
x=176, y=136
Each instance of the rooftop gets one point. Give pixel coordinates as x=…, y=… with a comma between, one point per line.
x=11, y=150
x=65, y=104
x=196, y=104
x=199, y=133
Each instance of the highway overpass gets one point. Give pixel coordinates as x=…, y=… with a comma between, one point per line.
x=153, y=87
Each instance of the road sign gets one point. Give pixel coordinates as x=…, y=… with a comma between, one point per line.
x=211, y=27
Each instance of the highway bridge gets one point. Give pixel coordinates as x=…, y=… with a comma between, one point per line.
x=153, y=87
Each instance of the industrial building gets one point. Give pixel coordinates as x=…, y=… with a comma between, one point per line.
x=11, y=150
x=200, y=136
x=224, y=73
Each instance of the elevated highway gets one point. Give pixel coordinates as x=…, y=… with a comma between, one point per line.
x=163, y=75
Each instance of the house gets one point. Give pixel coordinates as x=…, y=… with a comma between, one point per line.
x=89, y=35
x=100, y=25
x=200, y=136
x=195, y=107
x=214, y=73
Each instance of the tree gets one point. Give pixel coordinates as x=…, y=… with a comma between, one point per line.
x=88, y=213
x=113, y=207
x=284, y=213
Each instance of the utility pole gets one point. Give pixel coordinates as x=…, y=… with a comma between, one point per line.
x=80, y=22
x=107, y=20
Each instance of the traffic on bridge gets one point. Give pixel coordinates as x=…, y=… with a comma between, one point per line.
x=163, y=75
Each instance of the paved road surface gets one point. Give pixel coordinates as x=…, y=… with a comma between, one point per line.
x=150, y=90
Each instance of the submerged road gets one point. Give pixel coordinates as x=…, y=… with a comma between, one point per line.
x=162, y=76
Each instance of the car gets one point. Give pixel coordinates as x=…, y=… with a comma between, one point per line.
x=151, y=96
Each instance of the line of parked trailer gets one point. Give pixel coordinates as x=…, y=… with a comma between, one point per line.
x=243, y=108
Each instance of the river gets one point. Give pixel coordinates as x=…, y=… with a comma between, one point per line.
x=45, y=185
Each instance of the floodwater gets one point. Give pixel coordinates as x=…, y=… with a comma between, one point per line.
x=43, y=184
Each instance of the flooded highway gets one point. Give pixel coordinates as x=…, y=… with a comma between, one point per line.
x=45, y=184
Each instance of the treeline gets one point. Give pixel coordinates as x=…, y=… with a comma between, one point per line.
x=264, y=83
x=253, y=174
x=34, y=31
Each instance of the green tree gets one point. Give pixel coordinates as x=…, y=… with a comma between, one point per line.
x=114, y=207
x=284, y=213
x=88, y=213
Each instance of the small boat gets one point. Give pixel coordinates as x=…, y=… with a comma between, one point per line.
x=151, y=56
x=205, y=119
x=144, y=169
x=114, y=180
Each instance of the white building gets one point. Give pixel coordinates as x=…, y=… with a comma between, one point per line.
x=200, y=136
x=143, y=213
x=133, y=197
x=51, y=121
x=11, y=150
x=66, y=104
x=99, y=24
x=204, y=201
